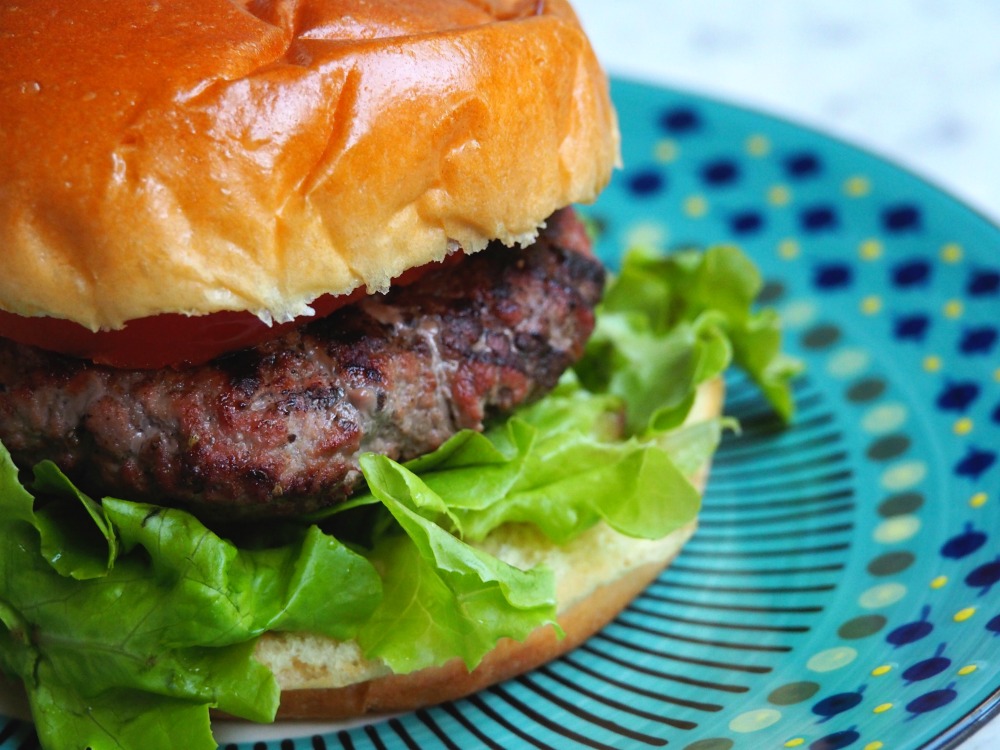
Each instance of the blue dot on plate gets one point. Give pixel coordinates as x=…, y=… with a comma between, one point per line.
x=976, y=462
x=994, y=625
x=746, y=222
x=901, y=218
x=837, y=704
x=995, y=416
x=818, y=219
x=912, y=631
x=646, y=182
x=680, y=120
x=803, y=164
x=932, y=700
x=833, y=276
x=720, y=172
x=978, y=340
x=958, y=396
x=964, y=544
x=927, y=668
x=912, y=327
x=911, y=273
x=984, y=283
x=836, y=741
x=984, y=577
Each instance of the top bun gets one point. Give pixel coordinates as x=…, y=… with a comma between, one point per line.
x=201, y=156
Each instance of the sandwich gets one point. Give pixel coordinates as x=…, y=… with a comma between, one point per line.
x=314, y=399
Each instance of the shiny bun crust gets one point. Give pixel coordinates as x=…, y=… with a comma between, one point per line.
x=201, y=156
x=596, y=575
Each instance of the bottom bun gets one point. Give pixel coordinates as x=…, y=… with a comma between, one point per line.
x=328, y=680
x=394, y=693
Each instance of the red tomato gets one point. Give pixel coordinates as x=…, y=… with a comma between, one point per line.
x=170, y=339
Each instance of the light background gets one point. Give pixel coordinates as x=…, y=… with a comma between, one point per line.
x=915, y=81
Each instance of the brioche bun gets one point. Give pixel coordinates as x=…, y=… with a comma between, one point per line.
x=193, y=157
x=597, y=575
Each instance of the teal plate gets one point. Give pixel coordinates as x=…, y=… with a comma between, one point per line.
x=842, y=588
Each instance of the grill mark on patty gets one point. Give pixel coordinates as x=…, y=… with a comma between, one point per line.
x=278, y=428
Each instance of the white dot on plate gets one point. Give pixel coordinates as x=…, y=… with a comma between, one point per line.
x=798, y=314
x=897, y=529
x=885, y=418
x=751, y=721
x=646, y=234
x=831, y=659
x=846, y=363
x=903, y=475
x=882, y=595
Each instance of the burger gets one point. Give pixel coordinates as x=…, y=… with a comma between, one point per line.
x=314, y=400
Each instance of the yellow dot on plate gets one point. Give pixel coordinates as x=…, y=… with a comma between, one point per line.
x=788, y=249
x=940, y=582
x=876, y=745
x=932, y=363
x=964, y=614
x=779, y=195
x=666, y=151
x=967, y=669
x=758, y=145
x=857, y=186
x=953, y=309
x=871, y=305
x=996, y=374
x=951, y=253
x=870, y=249
x=963, y=426
x=795, y=742
x=979, y=500
x=879, y=671
x=696, y=206
x=881, y=708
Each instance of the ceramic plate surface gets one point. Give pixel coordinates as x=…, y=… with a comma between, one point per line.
x=842, y=588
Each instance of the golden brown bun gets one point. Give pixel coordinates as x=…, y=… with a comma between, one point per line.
x=321, y=679
x=201, y=156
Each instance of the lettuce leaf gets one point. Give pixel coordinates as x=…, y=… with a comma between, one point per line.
x=552, y=467
x=444, y=599
x=172, y=620
x=128, y=622
x=690, y=314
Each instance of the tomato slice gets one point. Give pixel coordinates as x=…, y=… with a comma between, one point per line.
x=172, y=339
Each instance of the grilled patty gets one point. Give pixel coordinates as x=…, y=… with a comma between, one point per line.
x=277, y=429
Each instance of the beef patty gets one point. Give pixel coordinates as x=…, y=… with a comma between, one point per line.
x=278, y=429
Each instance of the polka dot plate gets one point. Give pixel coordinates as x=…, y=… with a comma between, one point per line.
x=842, y=588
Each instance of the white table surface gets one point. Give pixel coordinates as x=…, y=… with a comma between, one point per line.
x=916, y=81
